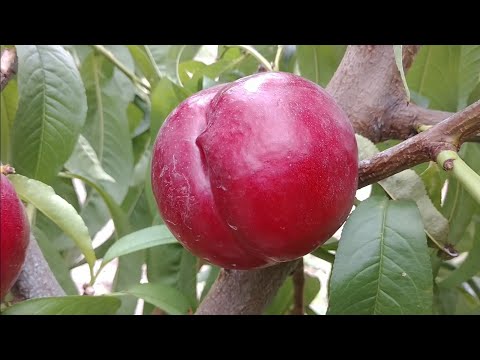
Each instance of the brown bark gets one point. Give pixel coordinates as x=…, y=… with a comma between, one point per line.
x=368, y=86
x=447, y=135
x=245, y=292
x=36, y=279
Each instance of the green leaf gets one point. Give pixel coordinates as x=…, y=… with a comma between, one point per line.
x=145, y=63
x=397, y=50
x=106, y=127
x=212, y=276
x=63, y=188
x=434, y=179
x=51, y=110
x=56, y=263
x=446, y=74
x=56, y=209
x=186, y=70
x=84, y=161
x=469, y=268
x=140, y=240
x=122, y=225
x=129, y=272
x=66, y=305
x=167, y=58
x=445, y=300
x=79, y=52
x=8, y=109
x=165, y=97
x=382, y=264
x=323, y=254
x=467, y=304
x=135, y=117
x=289, y=58
x=319, y=62
x=283, y=300
x=140, y=214
x=120, y=85
x=174, y=266
x=474, y=95
x=140, y=169
x=163, y=296
x=212, y=71
x=94, y=211
x=408, y=185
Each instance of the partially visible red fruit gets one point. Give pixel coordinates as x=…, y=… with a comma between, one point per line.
x=14, y=235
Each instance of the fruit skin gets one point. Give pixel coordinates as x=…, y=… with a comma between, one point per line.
x=14, y=235
x=255, y=172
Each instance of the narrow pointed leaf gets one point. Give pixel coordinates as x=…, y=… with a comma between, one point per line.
x=163, y=296
x=58, y=210
x=66, y=305
x=140, y=240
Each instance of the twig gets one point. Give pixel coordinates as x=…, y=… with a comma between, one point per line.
x=298, y=278
x=8, y=66
x=450, y=161
x=278, y=56
x=108, y=54
x=447, y=135
x=252, y=51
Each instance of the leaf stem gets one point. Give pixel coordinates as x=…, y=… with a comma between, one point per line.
x=152, y=61
x=134, y=78
x=450, y=161
x=177, y=65
x=278, y=56
x=252, y=51
x=94, y=276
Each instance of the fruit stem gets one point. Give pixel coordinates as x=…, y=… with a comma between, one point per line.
x=177, y=65
x=252, y=51
x=278, y=56
x=109, y=55
x=450, y=161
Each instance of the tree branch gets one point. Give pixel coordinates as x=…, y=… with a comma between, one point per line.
x=36, y=279
x=239, y=292
x=368, y=87
x=447, y=135
x=8, y=66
